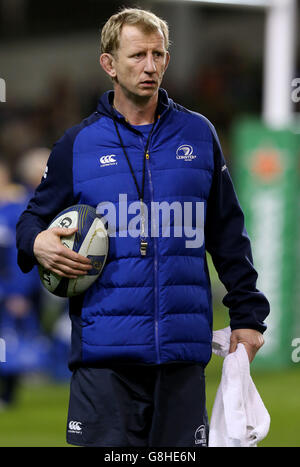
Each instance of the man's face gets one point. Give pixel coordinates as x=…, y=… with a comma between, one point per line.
x=140, y=62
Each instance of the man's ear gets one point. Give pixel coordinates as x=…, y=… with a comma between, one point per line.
x=167, y=60
x=107, y=62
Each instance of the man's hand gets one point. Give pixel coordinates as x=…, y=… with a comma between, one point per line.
x=253, y=340
x=56, y=257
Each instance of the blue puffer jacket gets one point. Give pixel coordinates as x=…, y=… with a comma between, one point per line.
x=158, y=308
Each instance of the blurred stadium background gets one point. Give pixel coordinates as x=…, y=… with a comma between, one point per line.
x=237, y=64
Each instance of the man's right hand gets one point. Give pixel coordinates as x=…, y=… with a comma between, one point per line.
x=56, y=257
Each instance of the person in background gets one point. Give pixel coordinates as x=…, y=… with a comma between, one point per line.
x=31, y=168
x=20, y=293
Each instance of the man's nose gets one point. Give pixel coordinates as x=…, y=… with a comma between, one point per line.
x=150, y=66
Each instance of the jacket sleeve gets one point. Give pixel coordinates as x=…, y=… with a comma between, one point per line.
x=229, y=245
x=54, y=194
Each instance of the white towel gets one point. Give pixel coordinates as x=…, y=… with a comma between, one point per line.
x=239, y=417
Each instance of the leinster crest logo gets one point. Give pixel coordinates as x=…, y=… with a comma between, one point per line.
x=200, y=436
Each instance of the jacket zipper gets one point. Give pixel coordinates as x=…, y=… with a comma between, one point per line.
x=156, y=314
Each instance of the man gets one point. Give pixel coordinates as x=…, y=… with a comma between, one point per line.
x=141, y=335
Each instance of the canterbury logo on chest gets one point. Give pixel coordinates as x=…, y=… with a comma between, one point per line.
x=108, y=160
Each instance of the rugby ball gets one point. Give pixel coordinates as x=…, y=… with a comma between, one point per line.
x=90, y=240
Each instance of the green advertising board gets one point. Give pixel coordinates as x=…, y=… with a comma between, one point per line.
x=266, y=176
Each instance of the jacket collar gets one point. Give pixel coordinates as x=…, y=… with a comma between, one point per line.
x=105, y=104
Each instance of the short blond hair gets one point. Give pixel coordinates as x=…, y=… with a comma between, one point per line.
x=146, y=20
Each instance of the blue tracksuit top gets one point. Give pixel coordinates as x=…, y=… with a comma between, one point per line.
x=158, y=308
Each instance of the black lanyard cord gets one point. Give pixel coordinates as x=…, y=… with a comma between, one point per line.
x=140, y=193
